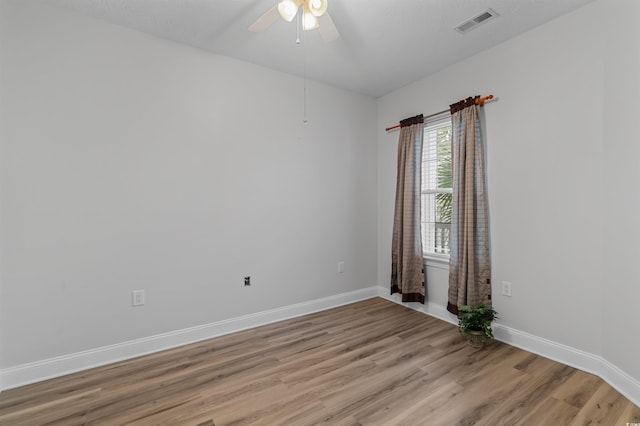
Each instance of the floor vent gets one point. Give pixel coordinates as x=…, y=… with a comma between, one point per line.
x=474, y=22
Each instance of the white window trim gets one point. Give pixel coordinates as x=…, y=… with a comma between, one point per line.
x=438, y=260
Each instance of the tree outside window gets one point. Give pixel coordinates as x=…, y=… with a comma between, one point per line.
x=437, y=190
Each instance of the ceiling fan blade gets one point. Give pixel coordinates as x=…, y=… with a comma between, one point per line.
x=327, y=28
x=265, y=21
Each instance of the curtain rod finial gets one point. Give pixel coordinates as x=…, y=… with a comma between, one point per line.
x=482, y=100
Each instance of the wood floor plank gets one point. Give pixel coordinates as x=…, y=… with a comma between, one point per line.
x=631, y=414
x=578, y=389
x=550, y=412
x=368, y=363
x=63, y=407
x=604, y=408
x=529, y=394
x=435, y=404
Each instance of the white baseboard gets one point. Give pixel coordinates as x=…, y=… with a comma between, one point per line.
x=59, y=366
x=429, y=308
x=621, y=381
x=594, y=364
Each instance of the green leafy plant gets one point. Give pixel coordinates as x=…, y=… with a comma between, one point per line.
x=476, y=319
x=444, y=173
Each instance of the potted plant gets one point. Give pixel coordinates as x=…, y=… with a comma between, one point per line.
x=475, y=323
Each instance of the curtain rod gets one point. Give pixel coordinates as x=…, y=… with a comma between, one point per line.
x=479, y=101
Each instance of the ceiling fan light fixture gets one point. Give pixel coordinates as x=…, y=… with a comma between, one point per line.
x=309, y=20
x=317, y=7
x=288, y=9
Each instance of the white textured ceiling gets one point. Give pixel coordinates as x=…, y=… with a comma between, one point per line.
x=384, y=44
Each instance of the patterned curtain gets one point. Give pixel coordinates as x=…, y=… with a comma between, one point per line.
x=469, y=261
x=407, y=274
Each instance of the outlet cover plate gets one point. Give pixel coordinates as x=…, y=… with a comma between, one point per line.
x=506, y=288
x=137, y=298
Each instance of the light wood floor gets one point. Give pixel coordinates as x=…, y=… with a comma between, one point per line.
x=369, y=363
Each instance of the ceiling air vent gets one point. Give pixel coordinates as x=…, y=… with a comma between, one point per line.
x=474, y=22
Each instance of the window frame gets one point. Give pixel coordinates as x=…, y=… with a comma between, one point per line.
x=437, y=121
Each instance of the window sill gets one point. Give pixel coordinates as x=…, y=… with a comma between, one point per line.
x=436, y=260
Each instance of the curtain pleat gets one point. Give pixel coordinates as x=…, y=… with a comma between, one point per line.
x=469, y=261
x=407, y=274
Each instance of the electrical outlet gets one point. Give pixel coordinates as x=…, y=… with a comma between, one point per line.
x=247, y=281
x=506, y=288
x=137, y=298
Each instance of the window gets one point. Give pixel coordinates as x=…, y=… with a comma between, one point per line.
x=437, y=192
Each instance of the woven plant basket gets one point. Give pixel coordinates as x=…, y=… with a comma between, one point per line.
x=475, y=338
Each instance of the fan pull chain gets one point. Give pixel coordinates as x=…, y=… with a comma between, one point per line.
x=304, y=100
x=304, y=68
x=298, y=24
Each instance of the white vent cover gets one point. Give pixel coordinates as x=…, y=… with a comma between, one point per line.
x=474, y=22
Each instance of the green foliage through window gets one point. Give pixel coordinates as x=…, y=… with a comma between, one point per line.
x=437, y=182
x=445, y=177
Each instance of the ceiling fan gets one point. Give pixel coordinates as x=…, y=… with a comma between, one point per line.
x=313, y=15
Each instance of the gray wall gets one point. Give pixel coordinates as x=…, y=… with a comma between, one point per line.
x=130, y=162
x=563, y=174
